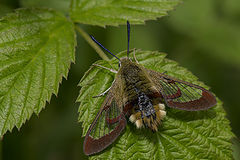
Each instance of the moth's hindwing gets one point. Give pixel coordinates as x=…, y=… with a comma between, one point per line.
x=180, y=94
x=107, y=125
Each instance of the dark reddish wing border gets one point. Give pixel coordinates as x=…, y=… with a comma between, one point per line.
x=176, y=95
x=113, y=120
x=92, y=146
x=113, y=117
x=205, y=101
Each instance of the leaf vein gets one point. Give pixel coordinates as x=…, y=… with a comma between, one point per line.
x=25, y=99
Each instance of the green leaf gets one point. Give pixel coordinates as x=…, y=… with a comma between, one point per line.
x=115, y=12
x=183, y=134
x=36, y=50
x=60, y=5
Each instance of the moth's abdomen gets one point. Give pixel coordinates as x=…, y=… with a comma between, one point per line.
x=147, y=114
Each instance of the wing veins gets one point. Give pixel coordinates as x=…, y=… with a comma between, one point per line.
x=181, y=92
x=178, y=100
x=192, y=87
x=168, y=88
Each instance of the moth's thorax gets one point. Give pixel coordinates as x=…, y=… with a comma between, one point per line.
x=134, y=77
x=139, y=91
x=147, y=113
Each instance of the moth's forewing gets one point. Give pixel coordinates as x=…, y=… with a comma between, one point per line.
x=107, y=125
x=180, y=94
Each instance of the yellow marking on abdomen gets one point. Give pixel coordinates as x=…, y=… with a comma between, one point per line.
x=150, y=121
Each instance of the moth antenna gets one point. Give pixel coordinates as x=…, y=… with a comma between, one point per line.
x=104, y=48
x=128, y=37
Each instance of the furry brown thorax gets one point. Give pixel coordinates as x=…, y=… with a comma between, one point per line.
x=139, y=91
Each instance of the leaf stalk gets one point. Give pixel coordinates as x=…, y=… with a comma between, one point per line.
x=92, y=43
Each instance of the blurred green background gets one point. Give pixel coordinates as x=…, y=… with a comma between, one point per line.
x=203, y=36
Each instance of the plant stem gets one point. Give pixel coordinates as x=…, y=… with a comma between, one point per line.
x=92, y=43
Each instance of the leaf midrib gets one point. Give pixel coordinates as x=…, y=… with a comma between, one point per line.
x=168, y=138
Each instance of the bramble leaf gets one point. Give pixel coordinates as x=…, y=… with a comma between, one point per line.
x=60, y=5
x=36, y=50
x=183, y=134
x=115, y=12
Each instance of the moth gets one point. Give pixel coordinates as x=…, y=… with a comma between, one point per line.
x=140, y=95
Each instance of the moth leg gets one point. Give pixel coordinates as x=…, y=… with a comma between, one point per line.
x=134, y=55
x=103, y=93
x=111, y=70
